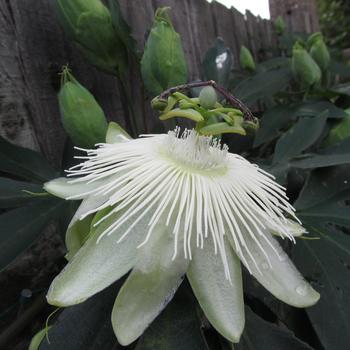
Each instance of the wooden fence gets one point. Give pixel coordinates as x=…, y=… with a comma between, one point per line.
x=33, y=48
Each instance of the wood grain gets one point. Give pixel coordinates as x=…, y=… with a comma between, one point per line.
x=33, y=49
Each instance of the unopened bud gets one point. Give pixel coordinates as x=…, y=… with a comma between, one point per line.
x=208, y=97
x=319, y=51
x=246, y=59
x=82, y=117
x=304, y=68
x=339, y=132
x=280, y=25
x=163, y=63
x=89, y=23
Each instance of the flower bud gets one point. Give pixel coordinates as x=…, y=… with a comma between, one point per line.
x=89, y=23
x=304, y=68
x=163, y=63
x=246, y=59
x=339, y=132
x=82, y=117
x=280, y=25
x=319, y=51
x=208, y=97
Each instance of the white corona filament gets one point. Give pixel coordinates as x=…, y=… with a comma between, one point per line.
x=189, y=183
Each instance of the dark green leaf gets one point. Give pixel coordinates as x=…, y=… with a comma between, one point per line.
x=334, y=210
x=334, y=155
x=278, y=117
x=24, y=163
x=340, y=69
x=13, y=193
x=21, y=227
x=298, y=138
x=176, y=328
x=316, y=108
x=273, y=63
x=86, y=326
x=271, y=123
x=323, y=184
x=263, y=85
x=217, y=63
x=262, y=335
x=326, y=263
x=341, y=89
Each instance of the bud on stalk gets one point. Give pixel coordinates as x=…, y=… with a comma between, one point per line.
x=319, y=51
x=280, y=26
x=82, y=117
x=339, y=132
x=305, y=69
x=246, y=59
x=208, y=97
x=163, y=63
x=89, y=23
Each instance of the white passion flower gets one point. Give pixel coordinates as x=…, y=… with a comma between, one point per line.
x=168, y=205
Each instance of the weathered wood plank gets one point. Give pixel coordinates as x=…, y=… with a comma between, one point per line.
x=240, y=33
x=202, y=28
x=33, y=49
x=225, y=27
x=15, y=119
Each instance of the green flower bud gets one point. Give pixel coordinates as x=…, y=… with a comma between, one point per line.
x=314, y=38
x=280, y=25
x=304, y=68
x=82, y=117
x=339, y=132
x=246, y=59
x=163, y=63
x=319, y=51
x=89, y=23
x=208, y=97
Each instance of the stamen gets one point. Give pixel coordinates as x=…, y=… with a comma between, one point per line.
x=191, y=185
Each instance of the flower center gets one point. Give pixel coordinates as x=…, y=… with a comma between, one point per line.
x=194, y=152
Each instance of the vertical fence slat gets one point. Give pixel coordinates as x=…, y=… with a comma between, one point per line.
x=225, y=27
x=29, y=72
x=202, y=27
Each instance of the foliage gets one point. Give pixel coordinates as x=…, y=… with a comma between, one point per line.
x=335, y=22
x=304, y=140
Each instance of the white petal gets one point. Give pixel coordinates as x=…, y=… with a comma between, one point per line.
x=96, y=266
x=76, y=236
x=291, y=226
x=281, y=279
x=79, y=227
x=115, y=133
x=150, y=286
x=221, y=301
x=87, y=206
x=61, y=188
